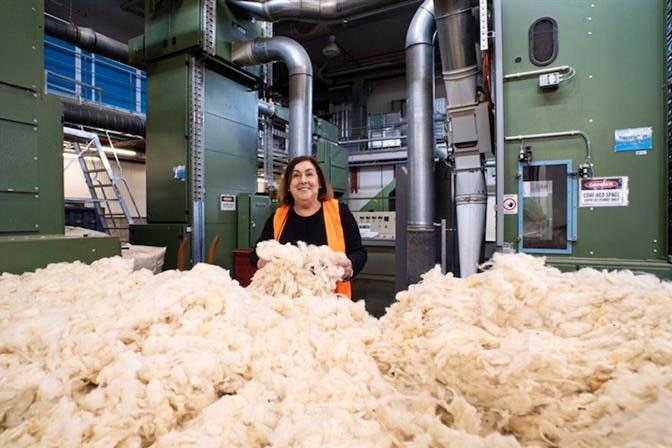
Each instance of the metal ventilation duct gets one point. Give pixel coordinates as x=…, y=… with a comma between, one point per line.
x=86, y=39
x=264, y=50
x=420, y=107
x=317, y=10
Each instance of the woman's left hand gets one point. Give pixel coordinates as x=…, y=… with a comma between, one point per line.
x=347, y=268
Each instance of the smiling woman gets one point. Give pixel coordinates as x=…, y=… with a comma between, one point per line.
x=309, y=213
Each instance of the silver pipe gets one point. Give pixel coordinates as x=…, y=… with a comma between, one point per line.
x=551, y=135
x=457, y=35
x=86, y=38
x=265, y=108
x=499, y=122
x=420, y=107
x=317, y=10
x=541, y=71
x=263, y=50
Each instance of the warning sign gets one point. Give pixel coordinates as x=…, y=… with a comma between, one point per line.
x=227, y=202
x=604, y=192
x=510, y=204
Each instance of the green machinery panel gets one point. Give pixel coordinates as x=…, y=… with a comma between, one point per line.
x=22, y=50
x=253, y=211
x=333, y=159
x=230, y=157
x=162, y=235
x=177, y=26
x=31, y=153
x=167, y=145
x=325, y=129
x=607, y=93
x=30, y=253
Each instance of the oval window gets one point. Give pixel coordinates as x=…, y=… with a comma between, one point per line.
x=543, y=39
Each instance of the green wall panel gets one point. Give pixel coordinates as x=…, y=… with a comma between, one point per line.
x=167, y=115
x=22, y=49
x=617, y=50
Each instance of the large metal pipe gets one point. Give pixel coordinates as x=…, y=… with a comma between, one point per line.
x=469, y=123
x=317, y=10
x=102, y=117
x=86, y=38
x=420, y=108
x=457, y=34
x=264, y=50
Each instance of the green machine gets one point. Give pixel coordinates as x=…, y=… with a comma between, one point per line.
x=31, y=153
x=585, y=155
x=201, y=132
x=332, y=158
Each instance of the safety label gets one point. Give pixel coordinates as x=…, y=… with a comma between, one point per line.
x=510, y=204
x=227, y=202
x=604, y=192
x=633, y=139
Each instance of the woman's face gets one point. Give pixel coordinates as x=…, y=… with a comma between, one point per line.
x=304, y=183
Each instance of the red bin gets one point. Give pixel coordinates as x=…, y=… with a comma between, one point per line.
x=242, y=268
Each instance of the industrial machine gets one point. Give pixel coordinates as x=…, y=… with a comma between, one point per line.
x=31, y=154
x=202, y=137
x=582, y=160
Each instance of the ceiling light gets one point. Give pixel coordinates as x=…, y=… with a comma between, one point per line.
x=331, y=50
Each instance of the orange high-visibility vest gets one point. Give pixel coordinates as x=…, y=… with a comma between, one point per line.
x=335, y=237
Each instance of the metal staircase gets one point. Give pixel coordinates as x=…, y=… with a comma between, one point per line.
x=109, y=190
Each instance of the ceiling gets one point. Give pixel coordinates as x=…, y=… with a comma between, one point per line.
x=371, y=47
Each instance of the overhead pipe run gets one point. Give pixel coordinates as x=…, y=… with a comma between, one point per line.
x=102, y=117
x=264, y=50
x=317, y=10
x=86, y=38
x=420, y=107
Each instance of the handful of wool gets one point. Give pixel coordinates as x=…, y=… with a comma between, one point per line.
x=297, y=270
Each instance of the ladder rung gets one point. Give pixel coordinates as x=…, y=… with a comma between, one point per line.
x=97, y=170
x=103, y=185
x=115, y=215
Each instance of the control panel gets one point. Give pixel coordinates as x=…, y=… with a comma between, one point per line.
x=376, y=225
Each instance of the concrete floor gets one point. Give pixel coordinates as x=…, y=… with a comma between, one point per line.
x=377, y=294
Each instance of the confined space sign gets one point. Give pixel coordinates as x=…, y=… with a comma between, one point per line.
x=603, y=192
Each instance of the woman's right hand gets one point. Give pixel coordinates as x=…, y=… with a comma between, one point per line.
x=261, y=263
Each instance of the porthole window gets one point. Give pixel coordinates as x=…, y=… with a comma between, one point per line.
x=543, y=40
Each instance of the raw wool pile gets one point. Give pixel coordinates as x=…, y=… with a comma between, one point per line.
x=296, y=271
x=102, y=356
x=580, y=359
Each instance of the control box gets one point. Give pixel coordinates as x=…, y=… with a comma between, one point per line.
x=376, y=225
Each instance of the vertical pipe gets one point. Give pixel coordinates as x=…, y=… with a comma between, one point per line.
x=499, y=121
x=420, y=234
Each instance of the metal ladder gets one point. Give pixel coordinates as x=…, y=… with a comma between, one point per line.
x=109, y=191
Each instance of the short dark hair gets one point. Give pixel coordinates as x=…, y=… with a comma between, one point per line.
x=325, y=191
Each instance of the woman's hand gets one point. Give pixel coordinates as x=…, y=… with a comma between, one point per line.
x=346, y=264
x=261, y=263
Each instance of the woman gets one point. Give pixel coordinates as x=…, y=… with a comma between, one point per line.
x=309, y=213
